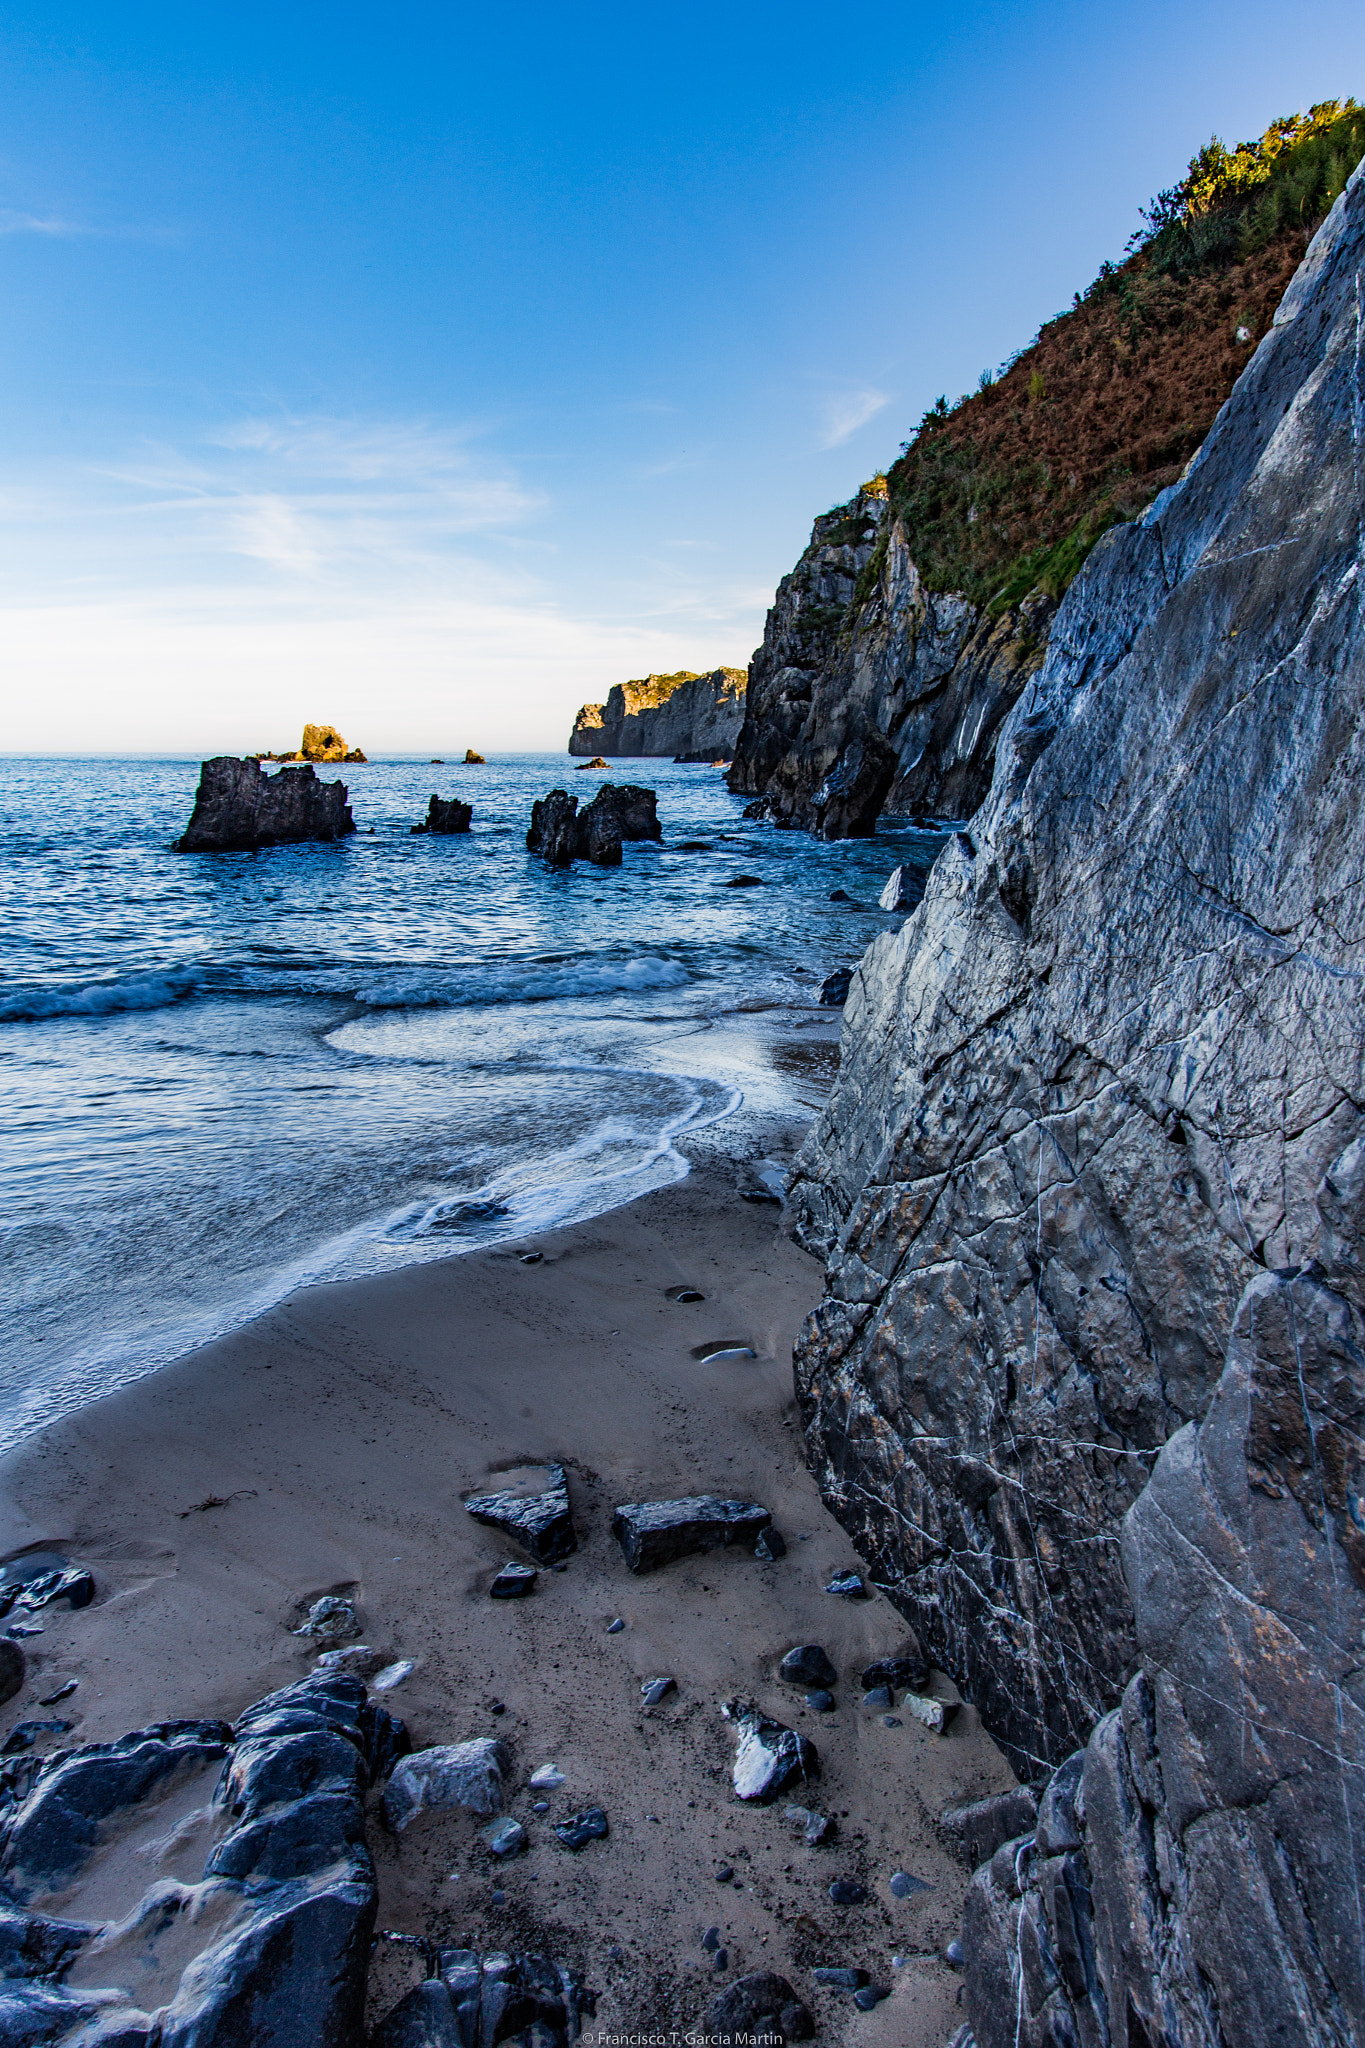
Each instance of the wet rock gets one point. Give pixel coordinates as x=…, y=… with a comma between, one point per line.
x=770, y=1546
x=846, y=1891
x=894, y=1671
x=975, y=1831
x=653, y=1533
x=13, y=1669
x=935, y=1715
x=446, y=816
x=553, y=832
x=504, y=1838
x=581, y=1828
x=835, y=987
x=760, y=2003
x=331, y=1618
x=475, y=2000
x=844, y=1979
x=513, y=1582
x=533, y=1509
x=770, y=1757
x=808, y=1664
x=655, y=1689
x=562, y=835
x=237, y=808
x=469, y=1774
x=848, y=1586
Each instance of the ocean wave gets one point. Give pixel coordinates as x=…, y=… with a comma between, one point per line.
x=99, y=998
x=536, y=981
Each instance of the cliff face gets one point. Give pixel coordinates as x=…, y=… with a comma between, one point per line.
x=870, y=691
x=691, y=717
x=1109, y=1072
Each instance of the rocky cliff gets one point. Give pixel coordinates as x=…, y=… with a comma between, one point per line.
x=1109, y=1073
x=920, y=610
x=690, y=717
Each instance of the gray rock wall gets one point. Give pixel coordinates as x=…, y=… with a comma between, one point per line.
x=1195, y=1874
x=871, y=692
x=1110, y=1071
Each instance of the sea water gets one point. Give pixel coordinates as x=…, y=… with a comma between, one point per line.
x=225, y=1075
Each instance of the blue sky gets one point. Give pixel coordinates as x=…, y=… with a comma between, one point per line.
x=431, y=371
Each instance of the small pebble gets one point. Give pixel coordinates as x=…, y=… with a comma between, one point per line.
x=903, y=1886
x=581, y=1828
x=711, y=1939
x=955, y=1954
x=497, y=1708
x=504, y=1838
x=614, y=1628
x=880, y=1696
x=848, y=1586
x=725, y=1873
x=513, y=1582
x=892, y=1721
x=869, y=1996
x=820, y=1702
x=843, y=1979
x=846, y=1891
x=769, y=1547
x=540, y=1806
x=63, y=1692
x=655, y=1689
x=497, y=1898
x=548, y=1778
x=530, y=1258
x=722, y=1959
x=898, y=1962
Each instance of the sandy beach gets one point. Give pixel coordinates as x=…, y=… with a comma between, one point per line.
x=327, y=1447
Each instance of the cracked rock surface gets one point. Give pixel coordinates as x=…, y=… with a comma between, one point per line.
x=1110, y=1071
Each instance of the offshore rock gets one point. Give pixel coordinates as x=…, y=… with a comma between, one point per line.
x=870, y=691
x=1201, y=1858
x=534, y=1510
x=270, y=1945
x=238, y=808
x=446, y=814
x=689, y=717
x=562, y=834
x=1110, y=1069
x=656, y=1532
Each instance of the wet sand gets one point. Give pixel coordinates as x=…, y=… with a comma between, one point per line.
x=328, y=1446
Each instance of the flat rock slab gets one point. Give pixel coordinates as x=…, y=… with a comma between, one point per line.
x=770, y=1758
x=533, y=1509
x=652, y=1533
x=468, y=1774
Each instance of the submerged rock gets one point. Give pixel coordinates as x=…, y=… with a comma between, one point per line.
x=238, y=808
x=533, y=1509
x=652, y=1533
x=445, y=815
x=469, y=1774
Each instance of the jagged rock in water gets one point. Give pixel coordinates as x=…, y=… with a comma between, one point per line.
x=688, y=717
x=562, y=834
x=835, y=987
x=1111, y=1068
x=903, y=890
x=533, y=1509
x=1202, y=1857
x=238, y=808
x=654, y=1532
x=271, y=1944
x=469, y=1774
x=473, y=760
x=870, y=690
x=475, y=2000
x=446, y=814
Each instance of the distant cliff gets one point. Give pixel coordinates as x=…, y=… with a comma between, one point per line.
x=687, y=716
x=919, y=610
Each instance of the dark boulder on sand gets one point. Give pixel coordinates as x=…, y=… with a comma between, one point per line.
x=238, y=808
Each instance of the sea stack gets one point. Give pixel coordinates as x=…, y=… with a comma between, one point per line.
x=683, y=717
x=239, y=808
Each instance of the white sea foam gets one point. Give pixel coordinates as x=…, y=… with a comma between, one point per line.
x=99, y=998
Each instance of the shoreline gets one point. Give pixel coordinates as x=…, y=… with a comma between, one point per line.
x=327, y=1445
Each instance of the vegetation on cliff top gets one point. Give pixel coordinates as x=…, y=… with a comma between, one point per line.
x=1009, y=489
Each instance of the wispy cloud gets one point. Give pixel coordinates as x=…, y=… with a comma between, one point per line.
x=12, y=222
x=846, y=411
